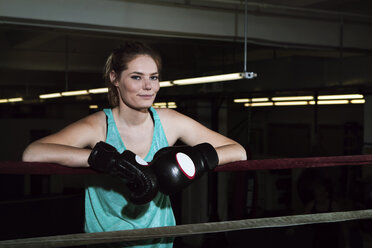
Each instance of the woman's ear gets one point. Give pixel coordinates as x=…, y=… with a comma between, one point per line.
x=113, y=78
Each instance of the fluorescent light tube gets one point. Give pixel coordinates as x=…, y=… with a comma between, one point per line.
x=240, y=100
x=165, y=105
x=292, y=98
x=261, y=99
x=209, y=79
x=358, y=101
x=3, y=100
x=160, y=104
x=93, y=106
x=330, y=102
x=165, y=84
x=51, y=95
x=98, y=90
x=346, y=96
x=171, y=105
x=17, y=99
x=75, y=93
x=244, y=100
x=259, y=104
x=291, y=103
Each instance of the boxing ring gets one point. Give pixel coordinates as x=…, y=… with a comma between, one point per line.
x=14, y=168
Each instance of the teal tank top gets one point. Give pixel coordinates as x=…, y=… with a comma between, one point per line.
x=106, y=206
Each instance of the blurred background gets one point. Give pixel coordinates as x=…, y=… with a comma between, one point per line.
x=318, y=50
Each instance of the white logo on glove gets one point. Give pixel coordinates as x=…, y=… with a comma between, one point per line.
x=141, y=161
x=186, y=164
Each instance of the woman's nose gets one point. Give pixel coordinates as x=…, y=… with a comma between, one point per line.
x=147, y=84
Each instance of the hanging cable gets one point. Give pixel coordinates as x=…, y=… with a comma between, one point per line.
x=66, y=62
x=246, y=75
x=341, y=49
x=245, y=35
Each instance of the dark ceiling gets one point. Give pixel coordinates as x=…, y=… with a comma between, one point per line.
x=36, y=60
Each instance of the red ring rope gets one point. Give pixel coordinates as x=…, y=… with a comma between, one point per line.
x=262, y=164
x=37, y=168
x=291, y=163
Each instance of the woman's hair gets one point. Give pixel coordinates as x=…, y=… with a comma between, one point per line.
x=118, y=62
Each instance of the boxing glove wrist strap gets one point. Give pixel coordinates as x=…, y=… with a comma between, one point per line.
x=209, y=155
x=103, y=157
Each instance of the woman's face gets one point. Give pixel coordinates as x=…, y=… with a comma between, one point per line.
x=138, y=85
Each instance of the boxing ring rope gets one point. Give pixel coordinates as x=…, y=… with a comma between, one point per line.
x=292, y=163
x=37, y=168
x=184, y=230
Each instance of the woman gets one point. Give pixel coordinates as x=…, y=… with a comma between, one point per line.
x=132, y=74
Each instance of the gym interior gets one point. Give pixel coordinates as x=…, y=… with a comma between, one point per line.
x=312, y=49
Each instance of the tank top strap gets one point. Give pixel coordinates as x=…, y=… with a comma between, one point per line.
x=112, y=133
x=156, y=119
x=159, y=139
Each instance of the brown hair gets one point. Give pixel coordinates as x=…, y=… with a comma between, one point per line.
x=118, y=62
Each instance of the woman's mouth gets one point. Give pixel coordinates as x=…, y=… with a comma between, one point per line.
x=146, y=96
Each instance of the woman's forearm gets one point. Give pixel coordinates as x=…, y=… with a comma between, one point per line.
x=56, y=153
x=230, y=153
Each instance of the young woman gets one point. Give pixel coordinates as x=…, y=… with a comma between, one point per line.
x=132, y=74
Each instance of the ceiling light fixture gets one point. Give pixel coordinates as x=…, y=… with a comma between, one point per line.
x=241, y=100
x=172, y=105
x=292, y=98
x=259, y=104
x=98, y=90
x=75, y=93
x=329, y=102
x=358, y=101
x=3, y=100
x=165, y=83
x=160, y=104
x=215, y=78
x=346, y=96
x=17, y=99
x=164, y=105
x=291, y=103
x=51, y=95
x=301, y=100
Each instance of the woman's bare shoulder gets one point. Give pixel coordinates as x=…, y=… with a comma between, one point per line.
x=168, y=114
x=169, y=119
x=95, y=124
x=95, y=120
x=91, y=125
x=84, y=132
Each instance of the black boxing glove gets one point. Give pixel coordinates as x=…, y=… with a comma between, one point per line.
x=140, y=179
x=179, y=166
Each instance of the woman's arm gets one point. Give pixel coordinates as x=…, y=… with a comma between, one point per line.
x=180, y=127
x=70, y=146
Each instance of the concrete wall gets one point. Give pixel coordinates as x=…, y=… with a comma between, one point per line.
x=183, y=21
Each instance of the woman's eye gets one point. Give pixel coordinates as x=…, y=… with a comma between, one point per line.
x=154, y=77
x=136, y=77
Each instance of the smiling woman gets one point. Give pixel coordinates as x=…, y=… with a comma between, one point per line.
x=138, y=84
x=134, y=193
x=119, y=60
